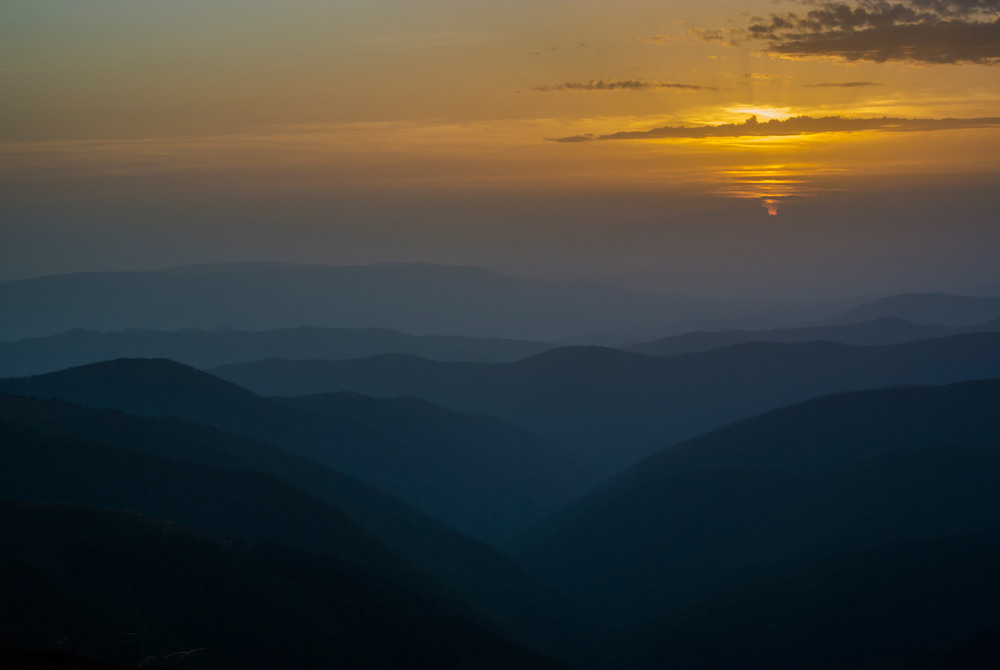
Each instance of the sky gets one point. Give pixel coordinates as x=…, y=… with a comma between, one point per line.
x=734, y=148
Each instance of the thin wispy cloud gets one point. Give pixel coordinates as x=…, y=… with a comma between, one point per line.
x=727, y=36
x=843, y=84
x=551, y=49
x=922, y=31
x=658, y=40
x=431, y=39
x=798, y=125
x=622, y=85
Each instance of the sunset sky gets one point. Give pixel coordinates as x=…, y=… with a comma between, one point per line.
x=724, y=147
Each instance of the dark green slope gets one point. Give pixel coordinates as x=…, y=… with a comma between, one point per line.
x=616, y=407
x=120, y=586
x=468, y=491
x=905, y=605
x=204, y=349
x=486, y=581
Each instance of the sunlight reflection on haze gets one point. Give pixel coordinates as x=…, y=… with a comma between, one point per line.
x=771, y=185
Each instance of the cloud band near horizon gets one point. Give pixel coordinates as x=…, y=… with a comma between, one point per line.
x=797, y=125
x=621, y=85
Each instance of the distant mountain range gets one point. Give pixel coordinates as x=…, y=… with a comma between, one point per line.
x=881, y=331
x=206, y=349
x=930, y=308
x=480, y=475
x=413, y=298
x=617, y=407
x=420, y=299
x=212, y=348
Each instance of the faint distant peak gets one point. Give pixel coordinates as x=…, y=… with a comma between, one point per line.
x=926, y=308
x=247, y=266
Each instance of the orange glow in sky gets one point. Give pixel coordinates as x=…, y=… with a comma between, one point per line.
x=395, y=97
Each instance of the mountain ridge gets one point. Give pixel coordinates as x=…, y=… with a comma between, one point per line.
x=422, y=299
x=210, y=348
x=223, y=603
x=881, y=331
x=874, y=466
x=616, y=407
x=487, y=482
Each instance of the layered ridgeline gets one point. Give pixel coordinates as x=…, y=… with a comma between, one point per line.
x=902, y=318
x=615, y=407
x=480, y=475
x=231, y=486
x=414, y=298
x=422, y=299
x=882, y=331
x=777, y=498
x=930, y=308
x=205, y=349
x=127, y=587
x=223, y=346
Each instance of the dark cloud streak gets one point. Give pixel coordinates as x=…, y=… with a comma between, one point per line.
x=843, y=84
x=622, y=85
x=798, y=125
x=927, y=31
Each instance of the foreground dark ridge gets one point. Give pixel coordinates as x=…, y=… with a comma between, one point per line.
x=105, y=583
x=929, y=605
x=103, y=457
x=831, y=475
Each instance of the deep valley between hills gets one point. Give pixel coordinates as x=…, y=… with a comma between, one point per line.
x=819, y=492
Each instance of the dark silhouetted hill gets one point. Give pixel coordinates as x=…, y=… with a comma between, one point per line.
x=486, y=581
x=840, y=429
x=445, y=459
x=831, y=475
x=218, y=501
x=21, y=658
x=486, y=478
x=883, y=331
x=905, y=605
x=111, y=584
x=205, y=349
x=616, y=407
x=980, y=652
